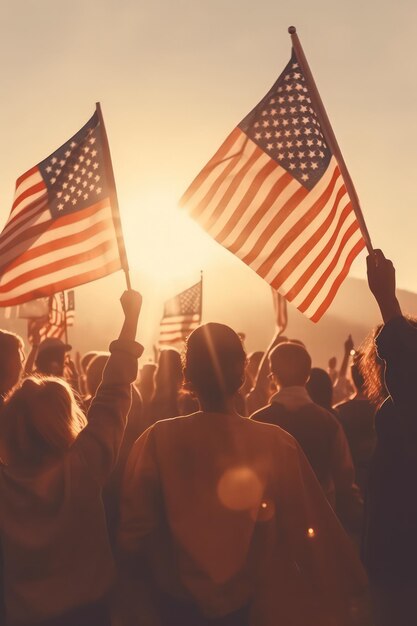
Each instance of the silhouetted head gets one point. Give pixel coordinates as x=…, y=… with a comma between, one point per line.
x=290, y=363
x=40, y=420
x=253, y=361
x=50, y=359
x=320, y=388
x=168, y=373
x=11, y=360
x=214, y=363
x=94, y=372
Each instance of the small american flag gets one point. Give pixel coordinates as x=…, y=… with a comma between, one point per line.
x=182, y=314
x=61, y=310
x=274, y=196
x=62, y=230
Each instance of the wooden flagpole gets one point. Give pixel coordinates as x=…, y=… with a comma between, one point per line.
x=64, y=309
x=113, y=197
x=201, y=296
x=329, y=135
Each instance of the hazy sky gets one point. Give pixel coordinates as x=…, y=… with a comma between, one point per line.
x=175, y=76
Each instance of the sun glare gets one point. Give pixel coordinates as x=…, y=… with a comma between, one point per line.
x=165, y=244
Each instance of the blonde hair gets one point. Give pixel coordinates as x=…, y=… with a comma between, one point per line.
x=41, y=419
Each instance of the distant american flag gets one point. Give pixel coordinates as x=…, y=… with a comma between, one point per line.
x=61, y=229
x=182, y=314
x=61, y=312
x=274, y=196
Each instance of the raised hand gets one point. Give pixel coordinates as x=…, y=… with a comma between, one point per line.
x=381, y=281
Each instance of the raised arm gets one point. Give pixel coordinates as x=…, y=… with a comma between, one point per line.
x=381, y=281
x=100, y=441
x=396, y=342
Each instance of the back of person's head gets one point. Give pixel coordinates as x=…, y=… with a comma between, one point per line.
x=11, y=357
x=290, y=363
x=94, y=371
x=50, y=359
x=253, y=361
x=320, y=387
x=168, y=374
x=214, y=362
x=40, y=420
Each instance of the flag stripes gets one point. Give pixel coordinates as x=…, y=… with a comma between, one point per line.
x=299, y=241
x=61, y=230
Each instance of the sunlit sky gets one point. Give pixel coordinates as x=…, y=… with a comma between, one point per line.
x=175, y=76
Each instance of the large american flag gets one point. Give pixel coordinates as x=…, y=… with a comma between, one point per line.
x=274, y=196
x=62, y=230
x=182, y=314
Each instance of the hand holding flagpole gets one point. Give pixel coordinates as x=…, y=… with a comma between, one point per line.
x=329, y=135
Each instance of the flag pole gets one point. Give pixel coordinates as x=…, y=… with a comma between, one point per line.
x=201, y=296
x=113, y=198
x=64, y=310
x=330, y=136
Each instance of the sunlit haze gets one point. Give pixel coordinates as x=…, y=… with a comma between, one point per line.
x=174, y=78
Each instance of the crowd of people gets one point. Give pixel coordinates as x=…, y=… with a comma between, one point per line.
x=215, y=488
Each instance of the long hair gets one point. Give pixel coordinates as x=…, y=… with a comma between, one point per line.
x=41, y=419
x=371, y=368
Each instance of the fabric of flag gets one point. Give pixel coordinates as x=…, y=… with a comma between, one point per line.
x=61, y=230
x=274, y=196
x=60, y=314
x=182, y=314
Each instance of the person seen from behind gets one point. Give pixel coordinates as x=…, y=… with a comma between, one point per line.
x=318, y=432
x=390, y=539
x=57, y=563
x=222, y=519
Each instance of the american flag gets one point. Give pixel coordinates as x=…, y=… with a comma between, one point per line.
x=182, y=314
x=61, y=313
x=62, y=230
x=274, y=196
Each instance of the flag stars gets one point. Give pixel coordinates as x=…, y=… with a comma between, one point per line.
x=92, y=140
x=268, y=135
x=314, y=165
x=265, y=123
x=49, y=169
x=54, y=160
x=60, y=206
x=98, y=190
x=270, y=146
x=304, y=177
x=258, y=135
x=85, y=196
x=90, y=174
x=96, y=178
x=91, y=187
x=93, y=153
x=68, y=153
x=67, y=197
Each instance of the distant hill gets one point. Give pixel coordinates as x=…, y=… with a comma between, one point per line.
x=236, y=297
